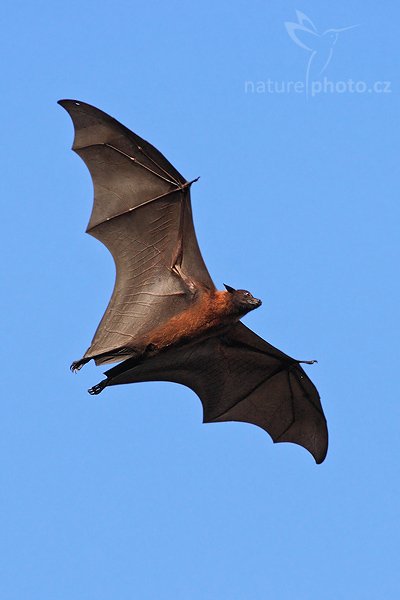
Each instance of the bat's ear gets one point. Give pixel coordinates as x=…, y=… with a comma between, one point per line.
x=229, y=289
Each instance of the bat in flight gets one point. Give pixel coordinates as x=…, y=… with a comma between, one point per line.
x=166, y=321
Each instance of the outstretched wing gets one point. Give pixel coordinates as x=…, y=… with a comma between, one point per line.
x=240, y=377
x=142, y=213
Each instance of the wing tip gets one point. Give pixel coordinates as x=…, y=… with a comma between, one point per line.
x=68, y=103
x=319, y=457
x=316, y=444
x=82, y=115
x=318, y=454
x=77, y=107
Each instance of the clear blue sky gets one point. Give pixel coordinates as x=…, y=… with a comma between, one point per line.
x=127, y=495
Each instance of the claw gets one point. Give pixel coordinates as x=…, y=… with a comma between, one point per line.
x=308, y=362
x=78, y=364
x=99, y=387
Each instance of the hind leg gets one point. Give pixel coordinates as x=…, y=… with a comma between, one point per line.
x=150, y=350
x=118, y=352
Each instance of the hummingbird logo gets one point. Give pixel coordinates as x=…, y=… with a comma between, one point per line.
x=320, y=45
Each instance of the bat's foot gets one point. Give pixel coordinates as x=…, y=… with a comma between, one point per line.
x=78, y=364
x=96, y=389
x=308, y=362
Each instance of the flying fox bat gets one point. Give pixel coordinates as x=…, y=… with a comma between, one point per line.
x=166, y=321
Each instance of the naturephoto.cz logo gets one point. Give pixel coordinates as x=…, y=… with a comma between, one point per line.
x=319, y=47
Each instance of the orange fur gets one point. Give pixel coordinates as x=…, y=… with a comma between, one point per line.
x=210, y=311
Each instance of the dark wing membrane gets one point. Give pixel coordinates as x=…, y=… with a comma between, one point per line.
x=142, y=213
x=240, y=377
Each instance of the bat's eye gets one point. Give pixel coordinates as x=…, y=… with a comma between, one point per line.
x=247, y=294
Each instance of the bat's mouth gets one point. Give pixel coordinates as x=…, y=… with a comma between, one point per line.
x=256, y=303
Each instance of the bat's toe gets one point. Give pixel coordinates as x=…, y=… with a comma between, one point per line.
x=96, y=389
x=78, y=364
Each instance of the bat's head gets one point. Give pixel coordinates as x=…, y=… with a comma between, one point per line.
x=243, y=300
